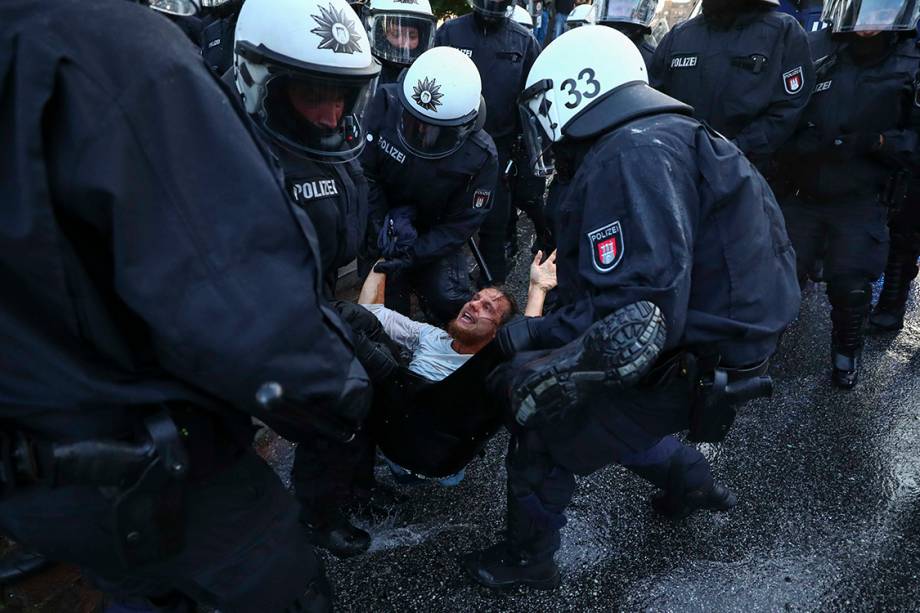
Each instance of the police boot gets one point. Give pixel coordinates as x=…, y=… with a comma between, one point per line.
x=502, y=566
x=888, y=315
x=849, y=310
x=714, y=497
x=334, y=533
x=614, y=352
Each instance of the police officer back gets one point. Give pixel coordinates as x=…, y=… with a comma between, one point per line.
x=156, y=301
x=665, y=225
x=306, y=93
x=852, y=158
x=503, y=51
x=744, y=67
x=432, y=171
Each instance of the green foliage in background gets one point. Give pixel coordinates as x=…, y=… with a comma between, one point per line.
x=445, y=8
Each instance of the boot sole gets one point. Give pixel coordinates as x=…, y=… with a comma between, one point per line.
x=616, y=352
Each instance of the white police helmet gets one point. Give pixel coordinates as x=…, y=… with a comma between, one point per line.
x=520, y=15
x=589, y=80
x=174, y=8
x=400, y=30
x=305, y=72
x=639, y=13
x=581, y=15
x=441, y=95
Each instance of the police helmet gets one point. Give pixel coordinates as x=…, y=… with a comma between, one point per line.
x=520, y=15
x=400, y=30
x=622, y=12
x=305, y=73
x=441, y=96
x=174, y=8
x=581, y=15
x=588, y=81
x=871, y=15
x=491, y=10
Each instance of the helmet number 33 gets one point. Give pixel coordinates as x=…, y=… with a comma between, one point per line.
x=591, y=87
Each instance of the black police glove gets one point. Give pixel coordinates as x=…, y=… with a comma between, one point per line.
x=516, y=336
x=376, y=358
x=856, y=143
x=395, y=265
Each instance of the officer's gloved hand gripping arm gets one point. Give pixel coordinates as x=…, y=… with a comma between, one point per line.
x=208, y=254
x=775, y=125
x=645, y=192
x=464, y=213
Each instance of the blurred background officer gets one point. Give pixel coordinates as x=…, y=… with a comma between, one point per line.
x=521, y=16
x=431, y=169
x=808, y=12
x=634, y=19
x=305, y=73
x=218, y=23
x=399, y=32
x=662, y=214
x=581, y=15
x=157, y=298
x=852, y=159
x=503, y=52
x=744, y=67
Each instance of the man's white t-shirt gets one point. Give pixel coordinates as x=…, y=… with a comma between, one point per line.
x=430, y=346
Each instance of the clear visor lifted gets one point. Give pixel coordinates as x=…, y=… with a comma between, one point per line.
x=537, y=142
x=316, y=115
x=177, y=8
x=400, y=39
x=872, y=15
x=639, y=12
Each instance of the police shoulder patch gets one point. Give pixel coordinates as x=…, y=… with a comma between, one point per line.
x=606, y=246
x=793, y=81
x=482, y=199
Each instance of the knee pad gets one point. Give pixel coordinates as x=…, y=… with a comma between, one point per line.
x=849, y=293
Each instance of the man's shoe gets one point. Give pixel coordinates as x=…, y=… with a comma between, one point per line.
x=614, y=352
x=18, y=564
x=845, y=370
x=716, y=497
x=499, y=568
x=338, y=536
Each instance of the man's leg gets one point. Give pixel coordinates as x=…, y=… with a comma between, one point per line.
x=808, y=235
x=900, y=270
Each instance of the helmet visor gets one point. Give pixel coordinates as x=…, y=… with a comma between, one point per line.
x=314, y=115
x=429, y=141
x=537, y=143
x=872, y=15
x=400, y=38
x=493, y=9
x=177, y=8
x=639, y=12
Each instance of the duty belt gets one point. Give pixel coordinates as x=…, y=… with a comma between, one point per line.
x=145, y=479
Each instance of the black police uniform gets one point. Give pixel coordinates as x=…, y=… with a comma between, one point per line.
x=749, y=79
x=450, y=198
x=216, y=39
x=133, y=279
x=850, y=158
x=690, y=225
x=503, y=52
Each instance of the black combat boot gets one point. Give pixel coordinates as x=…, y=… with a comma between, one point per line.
x=334, y=533
x=888, y=315
x=614, y=352
x=501, y=566
x=849, y=310
x=715, y=497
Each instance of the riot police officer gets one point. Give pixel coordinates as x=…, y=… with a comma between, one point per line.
x=670, y=244
x=744, y=67
x=852, y=158
x=218, y=22
x=306, y=91
x=431, y=169
x=399, y=32
x=156, y=301
x=633, y=18
x=503, y=51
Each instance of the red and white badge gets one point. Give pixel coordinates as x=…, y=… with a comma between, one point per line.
x=793, y=81
x=606, y=246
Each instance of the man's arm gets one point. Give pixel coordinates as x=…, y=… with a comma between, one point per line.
x=542, y=280
x=374, y=289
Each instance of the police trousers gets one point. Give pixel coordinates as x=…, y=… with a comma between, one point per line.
x=630, y=428
x=244, y=548
x=494, y=229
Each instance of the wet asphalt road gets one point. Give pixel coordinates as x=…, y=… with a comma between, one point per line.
x=828, y=518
